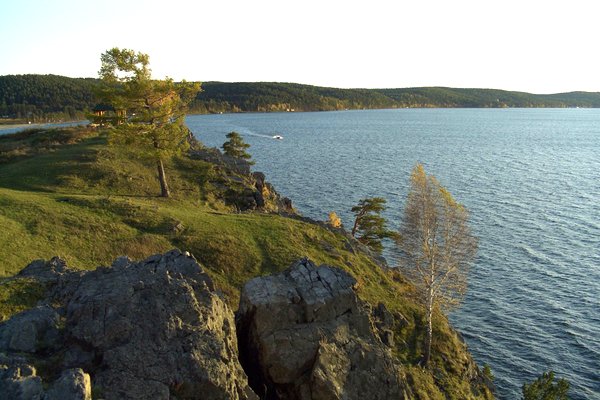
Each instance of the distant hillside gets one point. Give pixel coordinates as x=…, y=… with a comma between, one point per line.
x=50, y=97
x=486, y=98
x=270, y=96
x=40, y=98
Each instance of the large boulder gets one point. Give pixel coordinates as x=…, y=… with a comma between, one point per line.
x=73, y=384
x=160, y=328
x=18, y=381
x=46, y=271
x=155, y=329
x=304, y=334
x=30, y=331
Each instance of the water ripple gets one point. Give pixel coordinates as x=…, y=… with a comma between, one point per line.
x=531, y=180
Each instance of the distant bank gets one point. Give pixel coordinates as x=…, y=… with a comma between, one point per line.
x=12, y=128
x=44, y=98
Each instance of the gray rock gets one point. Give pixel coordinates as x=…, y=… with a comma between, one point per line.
x=30, y=331
x=304, y=334
x=44, y=271
x=159, y=327
x=73, y=384
x=384, y=322
x=19, y=382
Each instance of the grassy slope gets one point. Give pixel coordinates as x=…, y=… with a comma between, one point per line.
x=67, y=193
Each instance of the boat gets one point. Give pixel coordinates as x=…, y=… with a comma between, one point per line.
x=278, y=137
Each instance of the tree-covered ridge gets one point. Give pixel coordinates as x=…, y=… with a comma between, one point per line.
x=271, y=96
x=39, y=98
x=487, y=98
x=51, y=97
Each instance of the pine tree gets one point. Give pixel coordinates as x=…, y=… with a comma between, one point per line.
x=150, y=113
x=369, y=226
x=544, y=388
x=236, y=147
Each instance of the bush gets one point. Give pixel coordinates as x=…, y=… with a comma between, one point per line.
x=544, y=388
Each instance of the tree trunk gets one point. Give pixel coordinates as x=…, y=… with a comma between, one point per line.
x=357, y=221
x=162, y=178
x=353, y=233
x=429, y=334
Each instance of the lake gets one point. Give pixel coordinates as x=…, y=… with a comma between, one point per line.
x=7, y=129
x=531, y=180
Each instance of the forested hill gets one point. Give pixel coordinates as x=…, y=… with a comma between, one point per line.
x=51, y=98
x=45, y=97
x=269, y=96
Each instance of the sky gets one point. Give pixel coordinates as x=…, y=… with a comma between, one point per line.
x=526, y=45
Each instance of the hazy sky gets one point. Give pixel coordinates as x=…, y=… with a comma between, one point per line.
x=528, y=45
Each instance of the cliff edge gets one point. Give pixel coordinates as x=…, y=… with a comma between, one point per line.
x=158, y=329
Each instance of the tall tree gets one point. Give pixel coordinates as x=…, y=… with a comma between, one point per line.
x=437, y=246
x=236, y=147
x=150, y=112
x=369, y=226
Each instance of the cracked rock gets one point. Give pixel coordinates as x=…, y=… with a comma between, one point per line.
x=154, y=329
x=304, y=334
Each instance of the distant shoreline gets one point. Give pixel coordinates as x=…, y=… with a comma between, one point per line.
x=54, y=97
x=18, y=127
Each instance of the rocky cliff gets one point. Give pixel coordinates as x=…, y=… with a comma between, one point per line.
x=237, y=185
x=155, y=329
x=304, y=334
x=158, y=329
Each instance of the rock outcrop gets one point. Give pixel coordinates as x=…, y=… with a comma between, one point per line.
x=19, y=381
x=154, y=329
x=157, y=329
x=30, y=331
x=240, y=188
x=304, y=334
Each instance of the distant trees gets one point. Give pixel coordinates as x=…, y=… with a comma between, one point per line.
x=544, y=388
x=155, y=109
x=437, y=246
x=45, y=97
x=41, y=98
x=369, y=226
x=236, y=147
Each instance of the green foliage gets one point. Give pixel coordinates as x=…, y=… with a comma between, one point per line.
x=270, y=96
x=369, y=225
x=236, y=147
x=545, y=388
x=155, y=126
x=487, y=373
x=45, y=98
x=18, y=294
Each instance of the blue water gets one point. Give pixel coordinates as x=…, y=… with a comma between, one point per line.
x=5, y=130
x=531, y=180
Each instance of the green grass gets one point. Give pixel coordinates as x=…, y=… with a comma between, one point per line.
x=68, y=193
x=18, y=294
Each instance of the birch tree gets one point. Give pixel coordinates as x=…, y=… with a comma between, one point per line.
x=437, y=247
x=150, y=112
